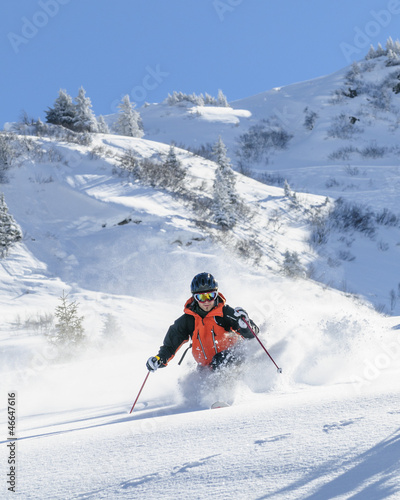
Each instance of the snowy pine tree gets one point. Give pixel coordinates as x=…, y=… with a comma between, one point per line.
x=393, y=58
x=371, y=53
x=129, y=121
x=10, y=233
x=40, y=127
x=224, y=195
x=7, y=154
x=222, y=100
x=174, y=172
x=85, y=120
x=102, y=126
x=390, y=44
x=69, y=330
x=291, y=265
x=111, y=328
x=380, y=51
x=63, y=112
x=287, y=190
x=210, y=100
x=221, y=158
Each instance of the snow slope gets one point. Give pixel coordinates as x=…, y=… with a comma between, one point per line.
x=358, y=162
x=327, y=427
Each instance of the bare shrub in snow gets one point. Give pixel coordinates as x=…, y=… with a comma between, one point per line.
x=204, y=150
x=310, y=118
x=260, y=140
x=373, y=151
x=351, y=170
x=272, y=179
x=249, y=249
x=383, y=246
x=169, y=174
x=40, y=323
x=100, y=152
x=346, y=255
x=343, y=127
x=332, y=182
x=343, y=153
x=352, y=216
x=387, y=218
x=130, y=163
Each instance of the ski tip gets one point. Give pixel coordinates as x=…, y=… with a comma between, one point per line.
x=220, y=404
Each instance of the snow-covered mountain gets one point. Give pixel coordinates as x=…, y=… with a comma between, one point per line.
x=327, y=427
x=335, y=136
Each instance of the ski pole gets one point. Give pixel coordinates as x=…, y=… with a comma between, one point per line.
x=261, y=344
x=137, y=397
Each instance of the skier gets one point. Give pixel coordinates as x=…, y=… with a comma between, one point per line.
x=213, y=327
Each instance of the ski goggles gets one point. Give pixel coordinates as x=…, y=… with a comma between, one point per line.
x=205, y=296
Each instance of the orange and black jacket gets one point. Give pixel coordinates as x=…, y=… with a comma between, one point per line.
x=210, y=333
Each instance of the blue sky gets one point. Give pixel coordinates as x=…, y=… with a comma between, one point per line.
x=149, y=48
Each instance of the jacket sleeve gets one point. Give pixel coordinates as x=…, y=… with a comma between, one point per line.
x=178, y=334
x=229, y=321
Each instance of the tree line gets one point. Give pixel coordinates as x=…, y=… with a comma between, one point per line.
x=77, y=115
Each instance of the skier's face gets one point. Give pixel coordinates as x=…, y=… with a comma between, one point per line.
x=207, y=305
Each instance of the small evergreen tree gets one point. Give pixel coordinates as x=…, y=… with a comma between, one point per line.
x=210, y=100
x=371, y=53
x=69, y=330
x=390, y=44
x=111, y=328
x=63, y=112
x=224, y=195
x=129, y=121
x=222, y=100
x=287, y=190
x=10, y=233
x=7, y=154
x=380, y=51
x=174, y=172
x=40, y=127
x=291, y=195
x=291, y=264
x=102, y=126
x=393, y=58
x=84, y=120
x=220, y=155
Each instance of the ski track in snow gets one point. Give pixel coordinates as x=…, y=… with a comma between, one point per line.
x=283, y=447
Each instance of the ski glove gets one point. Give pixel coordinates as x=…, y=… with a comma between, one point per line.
x=153, y=363
x=239, y=314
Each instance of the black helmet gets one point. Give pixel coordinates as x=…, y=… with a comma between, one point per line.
x=203, y=282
